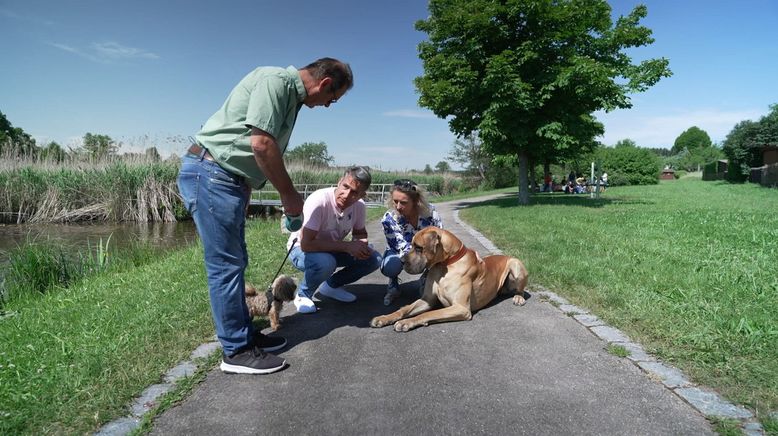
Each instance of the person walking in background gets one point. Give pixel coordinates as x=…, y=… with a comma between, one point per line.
x=409, y=211
x=238, y=149
x=319, y=247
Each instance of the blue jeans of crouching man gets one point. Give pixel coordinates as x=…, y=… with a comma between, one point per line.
x=217, y=201
x=318, y=266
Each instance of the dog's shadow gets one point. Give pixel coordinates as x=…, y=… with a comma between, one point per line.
x=298, y=328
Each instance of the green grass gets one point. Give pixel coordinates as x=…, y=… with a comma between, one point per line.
x=74, y=358
x=687, y=268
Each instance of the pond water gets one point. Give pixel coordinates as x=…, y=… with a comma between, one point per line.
x=80, y=237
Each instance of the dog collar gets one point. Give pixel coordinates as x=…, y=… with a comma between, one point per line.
x=457, y=256
x=269, y=295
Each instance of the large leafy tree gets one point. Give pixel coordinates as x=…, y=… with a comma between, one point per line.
x=527, y=75
x=14, y=141
x=743, y=145
x=311, y=153
x=690, y=139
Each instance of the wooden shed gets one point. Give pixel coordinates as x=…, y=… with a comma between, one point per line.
x=668, y=174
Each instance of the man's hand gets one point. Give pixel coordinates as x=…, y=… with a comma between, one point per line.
x=359, y=249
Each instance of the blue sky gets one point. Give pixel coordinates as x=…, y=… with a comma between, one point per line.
x=151, y=72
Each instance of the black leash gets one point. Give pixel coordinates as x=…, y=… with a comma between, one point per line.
x=270, y=286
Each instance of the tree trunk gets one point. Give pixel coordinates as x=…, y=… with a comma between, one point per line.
x=523, y=181
x=532, y=177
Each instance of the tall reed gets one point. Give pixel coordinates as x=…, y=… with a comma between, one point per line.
x=115, y=190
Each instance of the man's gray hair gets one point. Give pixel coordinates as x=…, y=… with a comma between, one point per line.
x=361, y=175
x=339, y=72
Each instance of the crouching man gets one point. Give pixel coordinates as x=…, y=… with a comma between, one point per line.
x=330, y=214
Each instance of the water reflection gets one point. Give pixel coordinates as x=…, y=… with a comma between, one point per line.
x=79, y=237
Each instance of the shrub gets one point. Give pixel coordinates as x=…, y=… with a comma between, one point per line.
x=629, y=165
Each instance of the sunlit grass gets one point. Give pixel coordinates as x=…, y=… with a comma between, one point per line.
x=74, y=358
x=685, y=267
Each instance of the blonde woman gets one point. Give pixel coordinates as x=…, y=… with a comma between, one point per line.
x=409, y=211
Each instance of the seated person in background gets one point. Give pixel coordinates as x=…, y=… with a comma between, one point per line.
x=329, y=215
x=409, y=211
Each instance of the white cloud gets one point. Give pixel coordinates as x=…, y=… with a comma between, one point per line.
x=106, y=52
x=114, y=50
x=410, y=113
x=661, y=130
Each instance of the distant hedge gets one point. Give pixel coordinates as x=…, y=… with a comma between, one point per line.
x=629, y=165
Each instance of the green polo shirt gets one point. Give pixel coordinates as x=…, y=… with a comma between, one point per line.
x=269, y=99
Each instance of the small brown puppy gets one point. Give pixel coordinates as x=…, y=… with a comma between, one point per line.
x=269, y=303
x=459, y=280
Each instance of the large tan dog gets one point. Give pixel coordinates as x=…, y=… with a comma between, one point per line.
x=458, y=279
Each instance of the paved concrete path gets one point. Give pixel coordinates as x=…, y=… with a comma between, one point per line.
x=510, y=370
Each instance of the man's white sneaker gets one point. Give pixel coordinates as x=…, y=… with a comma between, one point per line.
x=304, y=304
x=339, y=294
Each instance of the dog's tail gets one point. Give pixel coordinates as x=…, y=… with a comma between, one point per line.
x=250, y=290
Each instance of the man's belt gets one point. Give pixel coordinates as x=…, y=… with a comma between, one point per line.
x=198, y=151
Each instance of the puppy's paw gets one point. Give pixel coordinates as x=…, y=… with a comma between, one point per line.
x=518, y=300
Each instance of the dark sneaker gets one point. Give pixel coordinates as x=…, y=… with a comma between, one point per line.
x=251, y=360
x=268, y=343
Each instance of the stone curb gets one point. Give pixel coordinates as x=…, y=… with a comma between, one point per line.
x=705, y=401
x=148, y=399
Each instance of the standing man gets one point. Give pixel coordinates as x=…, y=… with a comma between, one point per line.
x=239, y=148
x=330, y=214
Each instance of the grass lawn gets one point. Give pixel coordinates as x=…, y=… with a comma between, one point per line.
x=74, y=358
x=687, y=268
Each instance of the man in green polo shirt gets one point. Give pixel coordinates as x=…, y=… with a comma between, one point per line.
x=239, y=148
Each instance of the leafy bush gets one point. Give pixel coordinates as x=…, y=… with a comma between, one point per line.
x=629, y=165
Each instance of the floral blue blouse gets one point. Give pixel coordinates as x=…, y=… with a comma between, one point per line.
x=399, y=232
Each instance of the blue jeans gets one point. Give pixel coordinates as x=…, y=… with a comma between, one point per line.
x=217, y=201
x=391, y=266
x=318, y=266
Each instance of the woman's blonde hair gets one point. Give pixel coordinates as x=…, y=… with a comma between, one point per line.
x=417, y=194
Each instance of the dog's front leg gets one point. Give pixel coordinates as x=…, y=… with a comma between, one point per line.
x=451, y=313
x=417, y=307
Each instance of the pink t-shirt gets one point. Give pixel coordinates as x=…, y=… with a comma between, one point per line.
x=320, y=213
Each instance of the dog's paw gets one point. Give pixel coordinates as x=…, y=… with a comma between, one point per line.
x=403, y=326
x=378, y=322
x=518, y=300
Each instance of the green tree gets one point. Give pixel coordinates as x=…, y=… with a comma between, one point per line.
x=53, y=153
x=427, y=169
x=627, y=165
x=15, y=141
x=99, y=146
x=625, y=143
x=470, y=153
x=442, y=167
x=527, y=75
x=311, y=153
x=743, y=145
x=692, y=138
